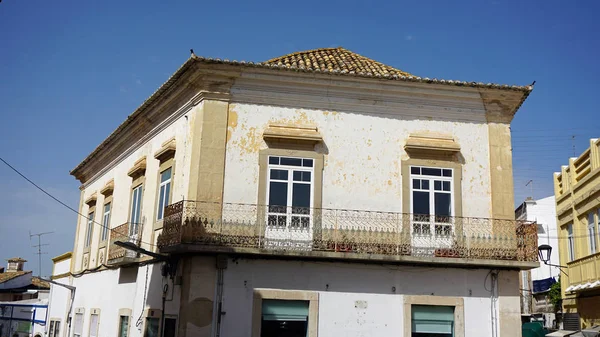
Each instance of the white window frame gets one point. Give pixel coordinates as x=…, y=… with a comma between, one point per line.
x=135, y=216
x=97, y=328
x=54, y=329
x=78, y=326
x=89, y=230
x=105, y=221
x=290, y=189
x=162, y=192
x=570, y=242
x=592, y=232
x=422, y=226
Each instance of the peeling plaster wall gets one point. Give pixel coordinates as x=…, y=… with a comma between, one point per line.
x=340, y=285
x=362, y=155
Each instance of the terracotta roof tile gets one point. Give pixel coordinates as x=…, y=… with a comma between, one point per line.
x=11, y=275
x=39, y=283
x=336, y=60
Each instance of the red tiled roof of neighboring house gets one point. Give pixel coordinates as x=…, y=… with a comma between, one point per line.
x=11, y=275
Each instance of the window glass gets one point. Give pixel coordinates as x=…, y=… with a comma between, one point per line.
x=90, y=228
x=105, y=222
x=152, y=324
x=123, y=326
x=164, y=191
x=78, y=325
x=170, y=327
x=432, y=321
x=284, y=318
x=136, y=212
x=93, y=325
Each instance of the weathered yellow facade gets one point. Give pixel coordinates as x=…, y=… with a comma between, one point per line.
x=577, y=190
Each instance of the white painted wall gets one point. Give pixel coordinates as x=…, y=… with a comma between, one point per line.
x=543, y=211
x=122, y=189
x=363, y=155
x=340, y=284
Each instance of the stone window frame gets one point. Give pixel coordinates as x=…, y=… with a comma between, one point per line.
x=91, y=203
x=152, y=313
x=289, y=295
x=457, y=302
x=94, y=311
x=138, y=176
x=124, y=312
x=263, y=179
x=165, y=163
x=433, y=162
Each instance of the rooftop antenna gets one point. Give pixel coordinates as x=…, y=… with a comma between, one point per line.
x=39, y=249
x=573, y=144
x=530, y=182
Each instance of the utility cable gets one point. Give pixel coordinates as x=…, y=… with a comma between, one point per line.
x=59, y=201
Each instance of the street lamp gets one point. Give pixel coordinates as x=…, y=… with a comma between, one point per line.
x=544, y=252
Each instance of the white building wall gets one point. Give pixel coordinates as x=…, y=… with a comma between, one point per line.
x=363, y=155
x=120, y=209
x=341, y=284
x=543, y=211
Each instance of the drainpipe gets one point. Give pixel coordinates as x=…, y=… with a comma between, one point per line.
x=494, y=302
x=221, y=266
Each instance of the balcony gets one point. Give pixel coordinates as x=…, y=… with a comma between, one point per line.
x=194, y=226
x=584, y=273
x=126, y=232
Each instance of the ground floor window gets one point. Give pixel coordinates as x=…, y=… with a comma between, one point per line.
x=284, y=318
x=432, y=321
x=78, y=325
x=170, y=327
x=123, y=326
x=152, y=326
x=54, y=330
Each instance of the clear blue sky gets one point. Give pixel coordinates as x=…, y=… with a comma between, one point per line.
x=71, y=71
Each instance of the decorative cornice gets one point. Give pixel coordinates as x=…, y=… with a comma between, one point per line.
x=138, y=169
x=296, y=133
x=91, y=201
x=59, y=276
x=431, y=142
x=62, y=257
x=108, y=188
x=167, y=150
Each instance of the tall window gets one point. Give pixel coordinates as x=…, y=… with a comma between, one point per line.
x=152, y=325
x=164, y=191
x=432, y=321
x=54, y=330
x=78, y=325
x=90, y=228
x=431, y=198
x=105, y=222
x=290, y=192
x=123, y=326
x=136, y=209
x=570, y=243
x=170, y=327
x=94, y=325
x=592, y=232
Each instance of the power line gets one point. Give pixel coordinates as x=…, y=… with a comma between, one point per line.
x=59, y=201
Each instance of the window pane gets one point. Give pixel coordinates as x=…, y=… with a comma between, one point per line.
x=415, y=170
x=424, y=184
x=432, y=171
x=301, y=198
x=151, y=327
x=291, y=161
x=165, y=175
x=446, y=185
x=306, y=176
x=274, y=160
x=170, y=327
x=279, y=174
x=278, y=196
x=447, y=173
x=416, y=183
x=297, y=176
x=93, y=325
x=123, y=326
x=57, y=329
x=161, y=202
x=167, y=195
x=420, y=202
x=442, y=204
x=307, y=162
x=437, y=185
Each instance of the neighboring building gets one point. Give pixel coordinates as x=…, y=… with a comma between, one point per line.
x=23, y=301
x=535, y=283
x=318, y=193
x=61, y=298
x=577, y=190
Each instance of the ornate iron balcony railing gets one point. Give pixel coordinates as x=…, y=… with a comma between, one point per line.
x=349, y=231
x=127, y=232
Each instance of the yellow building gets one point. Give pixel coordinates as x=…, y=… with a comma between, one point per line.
x=577, y=189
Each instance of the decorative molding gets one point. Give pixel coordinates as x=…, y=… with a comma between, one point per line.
x=91, y=201
x=167, y=150
x=431, y=142
x=59, y=276
x=108, y=188
x=296, y=133
x=62, y=257
x=138, y=169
